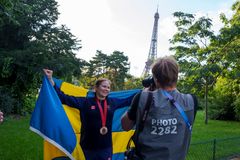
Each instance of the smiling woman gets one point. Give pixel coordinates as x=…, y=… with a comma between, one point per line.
x=102, y=88
x=96, y=116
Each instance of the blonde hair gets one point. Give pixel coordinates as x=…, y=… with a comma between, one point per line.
x=100, y=80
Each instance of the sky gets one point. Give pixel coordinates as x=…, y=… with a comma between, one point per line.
x=126, y=25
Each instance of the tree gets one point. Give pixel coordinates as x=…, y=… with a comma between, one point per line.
x=114, y=67
x=191, y=46
x=7, y=9
x=117, y=69
x=211, y=62
x=224, y=97
x=226, y=44
x=30, y=44
x=226, y=55
x=133, y=83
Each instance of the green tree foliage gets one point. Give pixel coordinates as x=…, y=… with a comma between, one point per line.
x=224, y=97
x=114, y=67
x=118, y=67
x=227, y=44
x=227, y=56
x=29, y=42
x=191, y=47
x=210, y=63
x=191, y=44
x=7, y=9
x=133, y=83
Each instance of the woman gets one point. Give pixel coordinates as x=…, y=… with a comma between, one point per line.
x=96, y=117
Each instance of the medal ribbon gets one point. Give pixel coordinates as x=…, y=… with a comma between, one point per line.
x=103, y=113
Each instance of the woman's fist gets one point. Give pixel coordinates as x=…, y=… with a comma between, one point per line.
x=49, y=74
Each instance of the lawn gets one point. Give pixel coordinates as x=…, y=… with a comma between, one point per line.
x=19, y=143
x=214, y=129
x=216, y=140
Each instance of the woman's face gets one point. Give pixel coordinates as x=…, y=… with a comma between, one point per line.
x=102, y=90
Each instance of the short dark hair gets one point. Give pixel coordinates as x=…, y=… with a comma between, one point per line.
x=165, y=70
x=100, y=80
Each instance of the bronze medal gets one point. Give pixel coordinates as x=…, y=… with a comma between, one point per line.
x=103, y=130
x=103, y=113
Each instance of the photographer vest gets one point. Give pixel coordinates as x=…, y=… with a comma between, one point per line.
x=165, y=135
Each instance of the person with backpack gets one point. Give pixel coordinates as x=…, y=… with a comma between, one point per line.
x=163, y=117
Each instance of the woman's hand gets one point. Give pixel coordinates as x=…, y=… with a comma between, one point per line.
x=49, y=74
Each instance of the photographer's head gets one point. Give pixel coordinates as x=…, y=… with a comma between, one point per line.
x=165, y=72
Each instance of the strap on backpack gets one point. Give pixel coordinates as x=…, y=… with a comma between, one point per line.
x=179, y=108
x=144, y=115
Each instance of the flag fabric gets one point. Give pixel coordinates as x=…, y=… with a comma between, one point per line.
x=60, y=125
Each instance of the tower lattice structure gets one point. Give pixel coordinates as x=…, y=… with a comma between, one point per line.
x=152, y=55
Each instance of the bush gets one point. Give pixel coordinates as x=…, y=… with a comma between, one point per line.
x=7, y=101
x=225, y=103
x=28, y=104
x=237, y=107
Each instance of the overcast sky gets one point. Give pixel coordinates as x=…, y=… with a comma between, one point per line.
x=126, y=25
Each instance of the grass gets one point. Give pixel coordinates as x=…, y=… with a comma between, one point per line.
x=216, y=140
x=214, y=129
x=19, y=143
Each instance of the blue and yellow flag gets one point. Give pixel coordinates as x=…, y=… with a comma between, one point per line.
x=60, y=125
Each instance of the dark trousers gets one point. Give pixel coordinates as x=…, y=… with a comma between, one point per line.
x=102, y=154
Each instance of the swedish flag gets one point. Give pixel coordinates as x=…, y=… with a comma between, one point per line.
x=60, y=125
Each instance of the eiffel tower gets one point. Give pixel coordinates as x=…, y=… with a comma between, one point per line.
x=152, y=55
